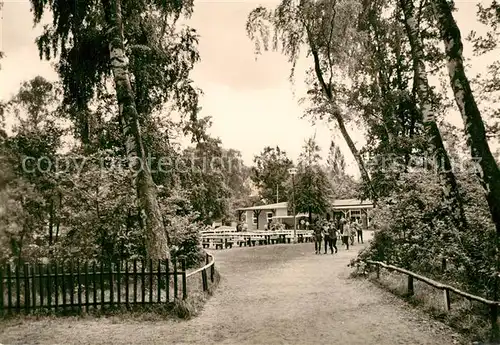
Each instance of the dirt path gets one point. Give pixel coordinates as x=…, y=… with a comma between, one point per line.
x=281, y=294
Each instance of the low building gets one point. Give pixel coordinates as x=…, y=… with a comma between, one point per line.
x=256, y=217
x=352, y=209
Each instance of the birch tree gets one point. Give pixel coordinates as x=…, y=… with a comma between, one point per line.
x=473, y=123
x=327, y=29
x=156, y=239
x=440, y=156
x=93, y=42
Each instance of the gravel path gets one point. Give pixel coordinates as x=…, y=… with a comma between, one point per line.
x=280, y=294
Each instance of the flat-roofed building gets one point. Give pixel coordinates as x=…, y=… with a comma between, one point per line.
x=256, y=217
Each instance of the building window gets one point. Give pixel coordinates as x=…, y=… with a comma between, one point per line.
x=356, y=213
x=254, y=219
x=269, y=216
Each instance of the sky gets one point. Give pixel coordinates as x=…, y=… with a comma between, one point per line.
x=251, y=100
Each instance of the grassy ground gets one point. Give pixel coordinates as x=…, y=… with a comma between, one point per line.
x=281, y=294
x=468, y=318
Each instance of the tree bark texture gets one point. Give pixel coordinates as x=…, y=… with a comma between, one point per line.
x=440, y=157
x=156, y=239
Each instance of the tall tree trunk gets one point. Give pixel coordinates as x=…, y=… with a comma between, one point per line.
x=464, y=98
x=337, y=114
x=473, y=123
x=440, y=156
x=156, y=239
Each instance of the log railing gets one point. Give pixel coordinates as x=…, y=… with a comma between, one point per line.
x=209, y=266
x=493, y=305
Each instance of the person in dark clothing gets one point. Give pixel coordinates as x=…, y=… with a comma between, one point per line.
x=318, y=237
x=332, y=232
x=328, y=240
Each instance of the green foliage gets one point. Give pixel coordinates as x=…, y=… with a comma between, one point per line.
x=83, y=206
x=270, y=173
x=414, y=230
x=312, y=188
x=183, y=227
x=343, y=186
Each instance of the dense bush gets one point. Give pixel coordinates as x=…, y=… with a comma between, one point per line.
x=414, y=231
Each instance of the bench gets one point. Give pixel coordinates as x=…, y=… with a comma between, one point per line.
x=218, y=243
x=307, y=238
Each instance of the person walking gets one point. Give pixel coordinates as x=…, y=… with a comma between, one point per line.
x=318, y=237
x=359, y=231
x=346, y=235
x=332, y=232
x=328, y=240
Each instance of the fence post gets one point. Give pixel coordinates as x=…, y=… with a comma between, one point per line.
x=26, y=288
x=56, y=286
x=143, y=282
x=79, y=282
x=94, y=284
x=447, y=302
x=87, y=286
x=151, y=276
x=158, y=281
x=18, y=287
x=135, y=281
x=40, y=282
x=495, y=334
x=127, y=286
x=49, y=287
x=9, y=289
x=176, y=286
x=71, y=285
x=1, y=292
x=111, y=285
x=184, y=283
x=167, y=289
x=411, y=291
x=101, y=283
x=212, y=272
x=204, y=279
x=119, y=283
x=33, y=286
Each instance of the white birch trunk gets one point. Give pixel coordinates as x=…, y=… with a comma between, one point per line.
x=474, y=129
x=473, y=123
x=156, y=237
x=440, y=156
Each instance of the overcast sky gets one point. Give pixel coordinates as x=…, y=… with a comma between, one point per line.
x=251, y=101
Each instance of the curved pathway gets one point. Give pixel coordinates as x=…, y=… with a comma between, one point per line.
x=280, y=294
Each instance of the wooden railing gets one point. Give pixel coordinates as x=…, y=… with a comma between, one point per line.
x=209, y=265
x=493, y=305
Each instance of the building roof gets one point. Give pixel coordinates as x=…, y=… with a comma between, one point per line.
x=351, y=202
x=299, y=215
x=336, y=204
x=265, y=207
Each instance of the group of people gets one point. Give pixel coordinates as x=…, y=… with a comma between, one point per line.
x=329, y=231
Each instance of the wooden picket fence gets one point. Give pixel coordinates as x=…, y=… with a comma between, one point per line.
x=77, y=286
